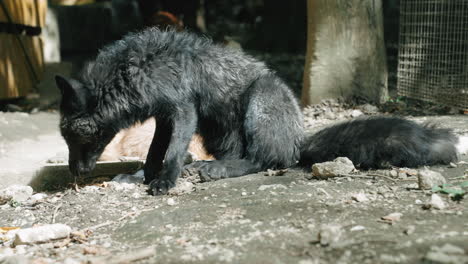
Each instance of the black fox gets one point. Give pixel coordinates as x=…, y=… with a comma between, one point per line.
x=248, y=117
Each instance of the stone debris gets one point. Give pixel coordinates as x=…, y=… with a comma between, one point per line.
x=338, y=167
x=437, y=202
x=41, y=234
x=360, y=197
x=409, y=230
x=116, y=186
x=330, y=235
x=428, y=179
x=18, y=193
x=356, y=113
x=38, y=197
x=357, y=228
x=171, y=202
x=393, y=217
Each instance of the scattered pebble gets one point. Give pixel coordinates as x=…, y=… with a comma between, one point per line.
x=409, y=230
x=356, y=113
x=393, y=217
x=330, y=234
x=428, y=179
x=171, y=202
x=19, y=193
x=360, y=197
x=436, y=202
x=41, y=234
x=38, y=197
x=117, y=186
x=335, y=168
x=357, y=228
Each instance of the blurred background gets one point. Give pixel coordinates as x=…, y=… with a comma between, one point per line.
x=380, y=52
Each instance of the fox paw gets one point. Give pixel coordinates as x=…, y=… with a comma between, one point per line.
x=160, y=186
x=207, y=170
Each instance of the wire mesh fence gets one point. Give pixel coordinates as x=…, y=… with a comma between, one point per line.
x=433, y=51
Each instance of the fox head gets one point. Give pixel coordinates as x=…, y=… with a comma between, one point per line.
x=85, y=136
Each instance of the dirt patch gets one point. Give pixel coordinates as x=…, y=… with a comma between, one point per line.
x=271, y=217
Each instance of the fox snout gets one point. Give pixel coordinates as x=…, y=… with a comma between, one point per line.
x=81, y=168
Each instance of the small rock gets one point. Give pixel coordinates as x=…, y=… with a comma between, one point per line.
x=19, y=193
x=171, y=202
x=116, y=186
x=41, y=234
x=335, y=168
x=428, y=179
x=272, y=186
x=330, y=234
x=38, y=197
x=356, y=113
x=393, y=217
x=453, y=165
x=243, y=193
x=358, y=228
x=409, y=230
x=360, y=197
x=90, y=189
x=437, y=202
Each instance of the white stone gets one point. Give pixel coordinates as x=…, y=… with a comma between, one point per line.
x=339, y=166
x=360, y=197
x=437, y=202
x=41, y=234
x=171, y=202
x=428, y=179
x=19, y=193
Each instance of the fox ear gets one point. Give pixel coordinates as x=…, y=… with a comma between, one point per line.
x=74, y=95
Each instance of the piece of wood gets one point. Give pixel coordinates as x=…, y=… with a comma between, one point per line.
x=21, y=56
x=53, y=177
x=345, y=51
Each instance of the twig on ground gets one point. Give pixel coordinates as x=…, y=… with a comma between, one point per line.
x=54, y=215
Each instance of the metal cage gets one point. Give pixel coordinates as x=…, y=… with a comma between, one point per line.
x=433, y=51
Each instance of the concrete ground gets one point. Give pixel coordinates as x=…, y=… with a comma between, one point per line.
x=252, y=219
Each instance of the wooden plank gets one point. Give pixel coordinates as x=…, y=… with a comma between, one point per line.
x=54, y=177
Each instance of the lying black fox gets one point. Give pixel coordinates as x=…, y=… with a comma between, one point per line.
x=248, y=117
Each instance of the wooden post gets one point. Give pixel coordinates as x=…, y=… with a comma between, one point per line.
x=21, y=58
x=345, y=51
